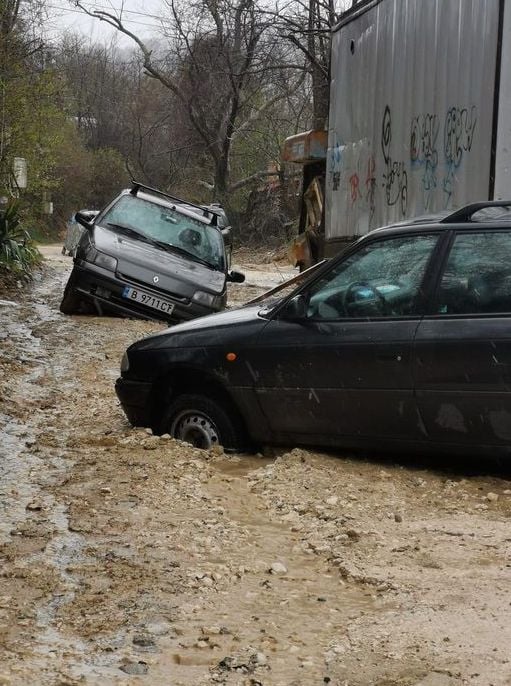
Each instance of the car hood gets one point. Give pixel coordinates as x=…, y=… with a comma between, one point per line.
x=143, y=262
x=215, y=329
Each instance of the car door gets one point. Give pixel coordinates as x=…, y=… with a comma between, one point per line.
x=343, y=368
x=462, y=363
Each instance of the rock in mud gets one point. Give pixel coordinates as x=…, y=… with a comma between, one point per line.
x=143, y=641
x=278, y=568
x=135, y=668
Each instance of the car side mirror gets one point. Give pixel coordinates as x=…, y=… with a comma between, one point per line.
x=235, y=277
x=226, y=233
x=295, y=308
x=85, y=218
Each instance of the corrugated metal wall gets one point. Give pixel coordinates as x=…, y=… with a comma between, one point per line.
x=411, y=111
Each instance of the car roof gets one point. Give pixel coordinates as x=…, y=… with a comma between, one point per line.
x=460, y=218
x=201, y=213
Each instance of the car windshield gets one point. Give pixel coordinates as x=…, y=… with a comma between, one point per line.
x=169, y=227
x=270, y=299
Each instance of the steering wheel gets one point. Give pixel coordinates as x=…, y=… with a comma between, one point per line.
x=347, y=300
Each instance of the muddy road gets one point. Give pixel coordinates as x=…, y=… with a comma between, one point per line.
x=131, y=559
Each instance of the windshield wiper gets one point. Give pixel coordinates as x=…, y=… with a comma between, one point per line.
x=130, y=232
x=170, y=247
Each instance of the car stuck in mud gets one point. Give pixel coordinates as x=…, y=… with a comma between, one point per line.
x=152, y=256
x=403, y=341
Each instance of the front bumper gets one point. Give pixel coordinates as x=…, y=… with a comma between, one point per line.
x=104, y=289
x=135, y=398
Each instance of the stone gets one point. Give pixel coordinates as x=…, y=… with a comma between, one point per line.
x=492, y=497
x=278, y=568
x=332, y=500
x=151, y=443
x=143, y=641
x=353, y=535
x=136, y=668
x=397, y=517
x=158, y=628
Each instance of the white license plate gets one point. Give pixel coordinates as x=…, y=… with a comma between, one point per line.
x=147, y=299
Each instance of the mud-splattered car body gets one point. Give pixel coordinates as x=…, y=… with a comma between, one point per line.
x=402, y=341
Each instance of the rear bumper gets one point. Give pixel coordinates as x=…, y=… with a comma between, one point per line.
x=105, y=290
x=135, y=399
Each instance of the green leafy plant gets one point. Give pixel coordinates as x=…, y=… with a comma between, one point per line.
x=17, y=250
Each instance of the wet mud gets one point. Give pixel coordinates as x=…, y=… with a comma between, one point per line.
x=126, y=558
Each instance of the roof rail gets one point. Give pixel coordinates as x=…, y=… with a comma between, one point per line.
x=136, y=186
x=464, y=214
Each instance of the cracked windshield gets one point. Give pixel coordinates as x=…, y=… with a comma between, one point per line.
x=167, y=225
x=255, y=343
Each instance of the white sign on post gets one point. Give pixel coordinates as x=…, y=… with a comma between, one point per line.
x=19, y=168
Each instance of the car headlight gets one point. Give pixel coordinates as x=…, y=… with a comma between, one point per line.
x=105, y=261
x=90, y=254
x=208, y=299
x=125, y=363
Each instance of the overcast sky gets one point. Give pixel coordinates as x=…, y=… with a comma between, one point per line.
x=140, y=16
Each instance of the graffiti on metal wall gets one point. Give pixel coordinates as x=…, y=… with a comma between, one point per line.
x=424, y=152
x=371, y=181
x=458, y=136
x=335, y=165
x=357, y=178
x=370, y=186
x=395, y=178
x=460, y=124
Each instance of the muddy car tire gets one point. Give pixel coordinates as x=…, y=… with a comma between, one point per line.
x=71, y=302
x=203, y=422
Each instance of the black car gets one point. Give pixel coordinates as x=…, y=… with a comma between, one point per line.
x=150, y=255
x=403, y=341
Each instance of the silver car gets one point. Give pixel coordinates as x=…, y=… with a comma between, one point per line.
x=152, y=256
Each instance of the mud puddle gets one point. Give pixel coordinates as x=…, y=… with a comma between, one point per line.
x=284, y=604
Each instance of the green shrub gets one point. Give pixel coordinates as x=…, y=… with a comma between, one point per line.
x=17, y=250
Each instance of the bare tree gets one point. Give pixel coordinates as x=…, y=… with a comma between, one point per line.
x=217, y=67
x=307, y=25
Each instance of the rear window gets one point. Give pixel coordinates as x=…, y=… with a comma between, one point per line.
x=477, y=277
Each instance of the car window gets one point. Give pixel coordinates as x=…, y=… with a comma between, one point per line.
x=477, y=276
x=381, y=279
x=168, y=225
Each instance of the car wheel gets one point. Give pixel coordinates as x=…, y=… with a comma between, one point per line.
x=203, y=422
x=70, y=302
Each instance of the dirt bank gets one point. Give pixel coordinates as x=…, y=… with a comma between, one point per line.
x=131, y=559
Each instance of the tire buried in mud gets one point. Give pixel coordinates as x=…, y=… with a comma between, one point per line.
x=204, y=422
